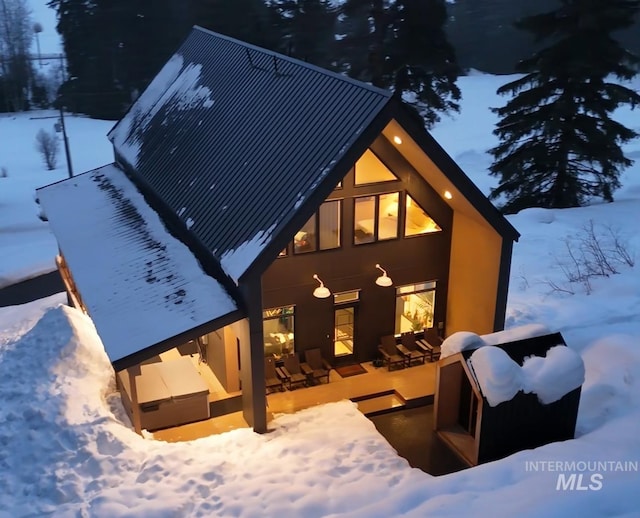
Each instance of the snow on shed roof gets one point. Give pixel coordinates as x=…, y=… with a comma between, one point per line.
x=140, y=285
x=234, y=138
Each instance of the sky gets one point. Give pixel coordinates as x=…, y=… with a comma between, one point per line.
x=62, y=419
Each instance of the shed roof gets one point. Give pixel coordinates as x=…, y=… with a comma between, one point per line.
x=140, y=285
x=234, y=139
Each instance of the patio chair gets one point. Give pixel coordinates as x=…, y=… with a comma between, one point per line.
x=430, y=346
x=390, y=353
x=412, y=351
x=273, y=375
x=315, y=366
x=293, y=371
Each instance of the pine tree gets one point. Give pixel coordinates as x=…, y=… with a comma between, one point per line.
x=402, y=45
x=559, y=145
x=307, y=30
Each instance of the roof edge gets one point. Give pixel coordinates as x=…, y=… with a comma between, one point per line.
x=283, y=234
x=174, y=341
x=459, y=178
x=296, y=61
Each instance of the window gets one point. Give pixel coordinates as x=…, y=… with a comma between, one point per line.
x=414, y=307
x=278, y=331
x=376, y=218
x=370, y=169
x=323, y=230
x=330, y=224
x=417, y=221
x=346, y=296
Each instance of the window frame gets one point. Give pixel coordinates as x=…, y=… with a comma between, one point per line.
x=316, y=215
x=376, y=214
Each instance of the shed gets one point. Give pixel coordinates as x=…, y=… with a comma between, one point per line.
x=494, y=400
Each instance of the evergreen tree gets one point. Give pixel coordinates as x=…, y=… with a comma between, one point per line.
x=559, y=146
x=402, y=45
x=307, y=30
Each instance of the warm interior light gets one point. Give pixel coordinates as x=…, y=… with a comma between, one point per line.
x=448, y=195
x=321, y=292
x=384, y=280
x=397, y=140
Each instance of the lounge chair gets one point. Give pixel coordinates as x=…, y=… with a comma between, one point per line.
x=390, y=353
x=431, y=347
x=315, y=366
x=293, y=371
x=411, y=350
x=273, y=375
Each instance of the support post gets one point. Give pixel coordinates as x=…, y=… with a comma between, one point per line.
x=254, y=399
x=66, y=143
x=133, y=390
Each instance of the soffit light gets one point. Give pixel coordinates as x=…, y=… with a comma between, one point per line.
x=448, y=195
x=321, y=292
x=384, y=280
x=397, y=140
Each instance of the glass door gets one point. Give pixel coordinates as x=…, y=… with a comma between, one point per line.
x=344, y=325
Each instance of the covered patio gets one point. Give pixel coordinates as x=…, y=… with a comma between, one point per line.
x=376, y=391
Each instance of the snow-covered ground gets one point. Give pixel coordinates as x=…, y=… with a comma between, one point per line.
x=27, y=245
x=66, y=449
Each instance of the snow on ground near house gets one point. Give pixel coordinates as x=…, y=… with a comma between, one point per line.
x=66, y=451
x=28, y=246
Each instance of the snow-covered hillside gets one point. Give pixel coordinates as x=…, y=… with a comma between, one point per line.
x=66, y=450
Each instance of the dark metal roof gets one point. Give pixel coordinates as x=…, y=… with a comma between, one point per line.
x=234, y=139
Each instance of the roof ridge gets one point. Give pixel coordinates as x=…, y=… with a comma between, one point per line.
x=296, y=61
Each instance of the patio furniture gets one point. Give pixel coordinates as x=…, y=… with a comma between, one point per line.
x=390, y=353
x=432, y=351
x=273, y=375
x=293, y=371
x=410, y=349
x=315, y=366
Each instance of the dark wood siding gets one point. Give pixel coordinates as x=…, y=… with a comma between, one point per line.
x=289, y=280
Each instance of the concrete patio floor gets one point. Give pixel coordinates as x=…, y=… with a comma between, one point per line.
x=375, y=392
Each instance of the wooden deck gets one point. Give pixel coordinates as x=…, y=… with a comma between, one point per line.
x=376, y=391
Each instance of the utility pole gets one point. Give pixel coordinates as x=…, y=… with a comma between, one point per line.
x=66, y=142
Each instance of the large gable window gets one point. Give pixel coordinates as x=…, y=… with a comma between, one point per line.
x=375, y=218
x=370, y=169
x=322, y=231
x=417, y=221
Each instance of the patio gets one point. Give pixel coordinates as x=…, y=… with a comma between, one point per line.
x=376, y=391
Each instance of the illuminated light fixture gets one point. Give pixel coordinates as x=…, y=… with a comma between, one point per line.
x=397, y=140
x=448, y=195
x=384, y=280
x=321, y=292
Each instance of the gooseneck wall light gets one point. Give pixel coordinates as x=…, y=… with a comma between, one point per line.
x=384, y=280
x=321, y=292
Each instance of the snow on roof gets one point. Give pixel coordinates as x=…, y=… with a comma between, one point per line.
x=140, y=285
x=550, y=378
x=466, y=341
x=175, y=84
x=498, y=376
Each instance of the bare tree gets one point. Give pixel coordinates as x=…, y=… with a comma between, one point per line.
x=48, y=146
x=16, y=34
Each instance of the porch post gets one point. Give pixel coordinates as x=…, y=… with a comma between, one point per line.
x=254, y=399
x=133, y=390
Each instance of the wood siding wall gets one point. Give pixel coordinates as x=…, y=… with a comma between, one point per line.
x=289, y=280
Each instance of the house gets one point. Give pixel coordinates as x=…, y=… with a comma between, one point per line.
x=243, y=181
x=505, y=392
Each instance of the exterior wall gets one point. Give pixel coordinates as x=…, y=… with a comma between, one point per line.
x=473, y=280
x=222, y=357
x=289, y=280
